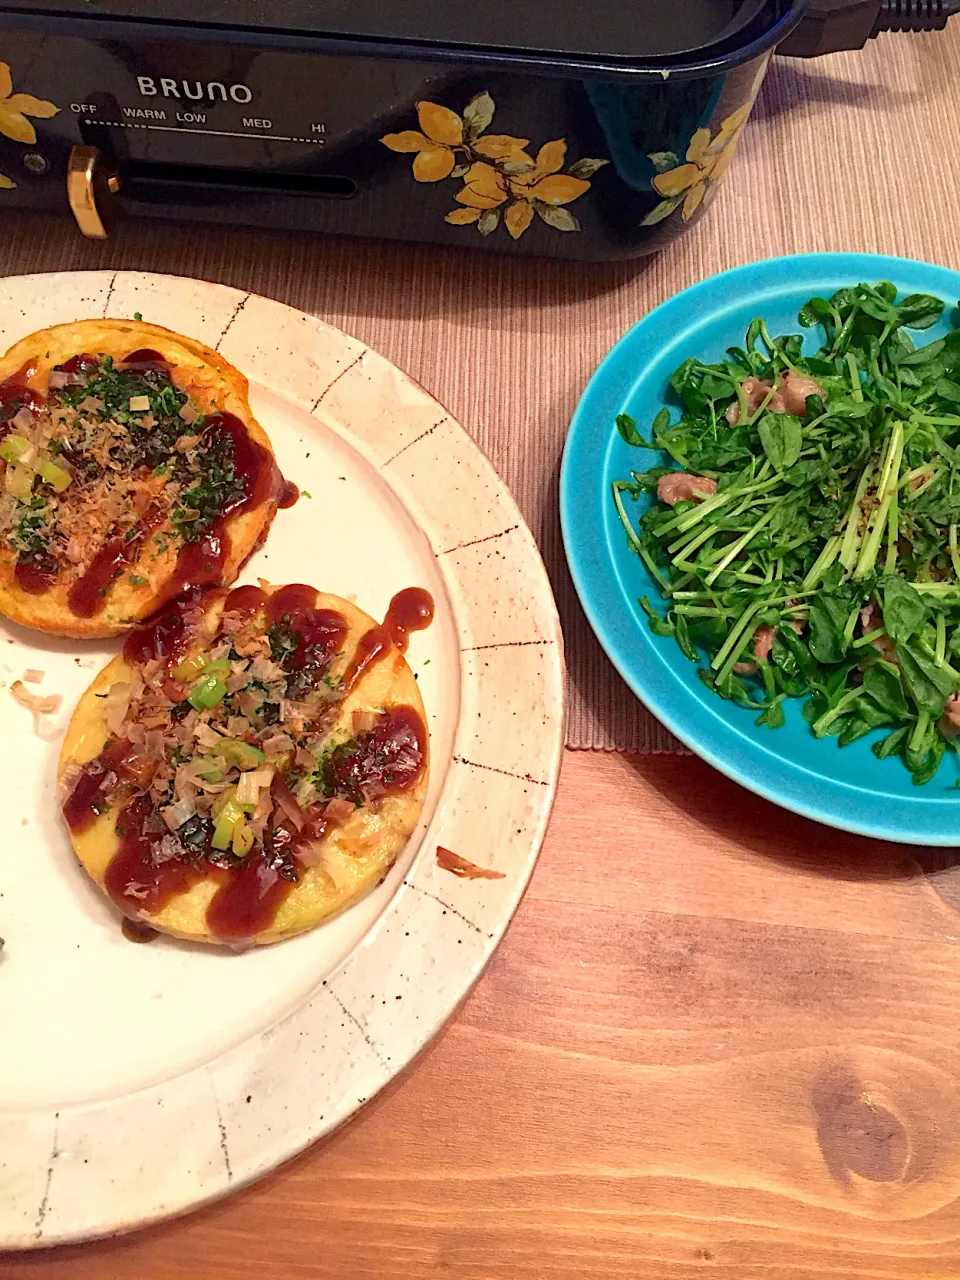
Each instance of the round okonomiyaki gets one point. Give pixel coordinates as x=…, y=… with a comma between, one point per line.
x=251, y=763
x=131, y=469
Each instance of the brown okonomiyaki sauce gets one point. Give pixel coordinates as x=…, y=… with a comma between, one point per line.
x=16, y=394
x=386, y=759
x=410, y=610
x=137, y=931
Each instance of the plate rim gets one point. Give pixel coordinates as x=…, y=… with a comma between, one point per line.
x=53, y=1200
x=593, y=570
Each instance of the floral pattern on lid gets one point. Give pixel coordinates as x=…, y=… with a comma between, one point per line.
x=502, y=181
x=704, y=165
x=14, y=110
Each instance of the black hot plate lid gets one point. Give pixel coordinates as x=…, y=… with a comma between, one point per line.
x=625, y=31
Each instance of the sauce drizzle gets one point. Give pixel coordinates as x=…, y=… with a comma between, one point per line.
x=245, y=601
x=137, y=931
x=16, y=394
x=247, y=902
x=410, y=610
x=384, y=760
x=35, y=576
x=201, y=563
x=289, y=494
x=82, y=362
x=371, y=647
x=163, y=638
x=146, y=360
x=88, y=594
x=133, y=880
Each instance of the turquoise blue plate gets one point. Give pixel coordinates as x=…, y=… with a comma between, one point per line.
x=846, y=787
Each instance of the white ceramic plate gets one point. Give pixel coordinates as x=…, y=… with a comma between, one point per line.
x=137, y=1082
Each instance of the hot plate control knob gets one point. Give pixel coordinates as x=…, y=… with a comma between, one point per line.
x=92, y=182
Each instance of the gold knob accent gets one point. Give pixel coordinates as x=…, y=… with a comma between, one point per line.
x=91, y=181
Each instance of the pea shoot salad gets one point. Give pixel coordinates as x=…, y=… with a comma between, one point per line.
x=806, y=540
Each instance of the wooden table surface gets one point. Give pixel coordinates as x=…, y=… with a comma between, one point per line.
x=718, y=1040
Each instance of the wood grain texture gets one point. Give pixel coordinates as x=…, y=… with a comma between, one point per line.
x=718, y=1041
x=853, y=151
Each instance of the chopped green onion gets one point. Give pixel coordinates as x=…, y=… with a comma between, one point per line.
x=190, y=667
x=236, y=751
x=250, y=784
x=222, y=800
x=229, y=816
x=18, y=481
x=242, y=841
x=54, y=475
x=201, y=662
x=12, y=447
x=207, y=693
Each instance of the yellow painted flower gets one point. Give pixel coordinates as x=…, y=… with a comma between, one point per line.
x=537, y=186
x=500, y=177
x=689, y=178
x=484, y=187
x=725, y=143
x=704, y=165
x=435, y=147
x=500, y=146
x=15, y=107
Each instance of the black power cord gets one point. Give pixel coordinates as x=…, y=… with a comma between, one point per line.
x=831, y=25
x=914, y=15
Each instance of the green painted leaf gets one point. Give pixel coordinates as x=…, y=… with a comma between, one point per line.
x=662, y=210
x=663, y=160
x=586, y=168
x=488, y=221
x=555, y=216
x=477, y=116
